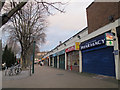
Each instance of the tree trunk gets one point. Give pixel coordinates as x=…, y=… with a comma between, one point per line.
x=23, y=60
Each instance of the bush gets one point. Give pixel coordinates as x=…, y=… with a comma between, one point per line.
x=8, y=57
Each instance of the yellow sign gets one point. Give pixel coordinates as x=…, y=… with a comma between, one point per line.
x=77, y=45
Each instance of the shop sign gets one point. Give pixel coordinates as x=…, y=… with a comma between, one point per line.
x=51, y=55
x=116, y=52
x=43, y=58
x=100, y=40
x=77, y=45
x=109, y=43
x=61, y=52
x=70, y=49
x=109, y=36
x=54, y=54
x=109, y=39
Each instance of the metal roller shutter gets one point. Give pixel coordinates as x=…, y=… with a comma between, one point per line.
x=62, y=61
x=100, y=61
x=55, y=61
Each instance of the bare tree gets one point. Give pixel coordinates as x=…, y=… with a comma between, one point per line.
x=28, y=22
x=46, y=5
x=13, y=44
x=6, y=16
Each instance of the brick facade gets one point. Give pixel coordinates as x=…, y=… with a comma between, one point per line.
x=98, y=14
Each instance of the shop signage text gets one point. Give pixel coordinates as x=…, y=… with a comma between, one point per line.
x=70, y=49
x=93, y=42
x=61, y=52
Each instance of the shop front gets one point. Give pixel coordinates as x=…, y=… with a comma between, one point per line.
x=55, y=60
x=51, y=62
x=61, y=55
x=72, y=59
x=46, y=61
x=97, y=55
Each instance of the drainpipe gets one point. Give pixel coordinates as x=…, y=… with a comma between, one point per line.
x=65, y=61
x=80, y=61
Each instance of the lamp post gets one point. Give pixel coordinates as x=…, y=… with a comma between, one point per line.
x=33, y=55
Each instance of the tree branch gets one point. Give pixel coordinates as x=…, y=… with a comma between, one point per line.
x=6, y=17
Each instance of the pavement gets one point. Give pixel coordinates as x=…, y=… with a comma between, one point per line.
x=22, y=75
x=48, y=77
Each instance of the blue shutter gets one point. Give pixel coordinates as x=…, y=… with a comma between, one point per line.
x=99, y=61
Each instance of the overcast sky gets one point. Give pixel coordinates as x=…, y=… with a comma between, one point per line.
x=63, y=26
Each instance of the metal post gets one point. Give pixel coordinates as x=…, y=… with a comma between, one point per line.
x=33, y=57
x=30, y=70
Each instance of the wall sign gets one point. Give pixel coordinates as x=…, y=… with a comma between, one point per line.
x=100, y=40
x=116, y=52
x=70, y=49
x=54, y=54
x=61, y=52
x=109, y=39
x=109, y=43
x=77, y=45
x=109, y=36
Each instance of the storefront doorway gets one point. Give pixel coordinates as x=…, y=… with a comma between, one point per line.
x=51, y=61
x=98, y=58
x=55, y=61
x=62, y=61
x=73, y=61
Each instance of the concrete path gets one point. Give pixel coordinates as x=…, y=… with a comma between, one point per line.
x=22, y=75
x=48, y=77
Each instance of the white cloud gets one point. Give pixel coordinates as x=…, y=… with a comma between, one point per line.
x=63, y=26
x=74, y=18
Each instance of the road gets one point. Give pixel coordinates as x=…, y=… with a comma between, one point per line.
x=48, y=77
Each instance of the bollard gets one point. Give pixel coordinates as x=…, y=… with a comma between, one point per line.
x=30, y=70
x=5, y=71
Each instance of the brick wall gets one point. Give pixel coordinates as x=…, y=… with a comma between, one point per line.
x=98, y=13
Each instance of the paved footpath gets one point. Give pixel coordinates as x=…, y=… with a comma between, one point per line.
x=48, y=77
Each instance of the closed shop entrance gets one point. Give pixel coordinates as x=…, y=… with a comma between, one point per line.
x=99, y=61
x=51, y=61
x=97, y=57
x=48, y=61
x=73, y=61
x=62, y=61
x=55, y=61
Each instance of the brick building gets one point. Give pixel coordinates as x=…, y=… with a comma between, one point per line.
x=100, y=14
x=99, y=56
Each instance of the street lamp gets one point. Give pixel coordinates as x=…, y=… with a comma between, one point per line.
x=33, y=54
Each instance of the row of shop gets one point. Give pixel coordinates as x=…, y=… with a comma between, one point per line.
x=95, y=49
x=96, y=55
